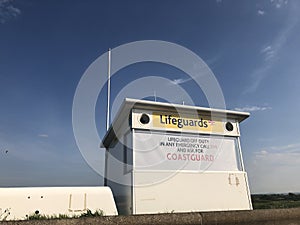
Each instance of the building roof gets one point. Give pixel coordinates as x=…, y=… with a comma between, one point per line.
x=129, y=104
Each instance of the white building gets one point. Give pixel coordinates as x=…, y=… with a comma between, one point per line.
x=165, y=157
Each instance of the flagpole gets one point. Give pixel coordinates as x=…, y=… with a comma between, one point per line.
x=108, y=89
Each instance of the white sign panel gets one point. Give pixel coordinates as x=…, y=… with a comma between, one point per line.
x=173, y=151
x=197, y=123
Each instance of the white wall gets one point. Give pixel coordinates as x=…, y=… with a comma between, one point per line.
x=119, y=175
x=16, y=203
x=187, y=192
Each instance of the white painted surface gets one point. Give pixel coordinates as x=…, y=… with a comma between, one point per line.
x=119, y=179
x=16, y=203
x=188, y=192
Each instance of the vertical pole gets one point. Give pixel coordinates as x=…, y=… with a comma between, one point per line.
x=108, y=89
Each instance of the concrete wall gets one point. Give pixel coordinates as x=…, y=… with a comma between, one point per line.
x=255, y=217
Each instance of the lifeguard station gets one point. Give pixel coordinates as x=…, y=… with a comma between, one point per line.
x=163, y=157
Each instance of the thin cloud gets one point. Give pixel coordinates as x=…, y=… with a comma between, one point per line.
x=211, y=61
x=270, y=52
x=289, y=149
x=292, y=148
x=279, y=3
x=260, y=12
x=263, y=152
x=266, y=49
x=43, y=135
x=279, y=150
x=180, y=81
x=253, y=108
x=281, y=155
x=269, y=164
x=8, y=11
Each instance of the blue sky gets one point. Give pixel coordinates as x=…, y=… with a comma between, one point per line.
x=252, y=47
